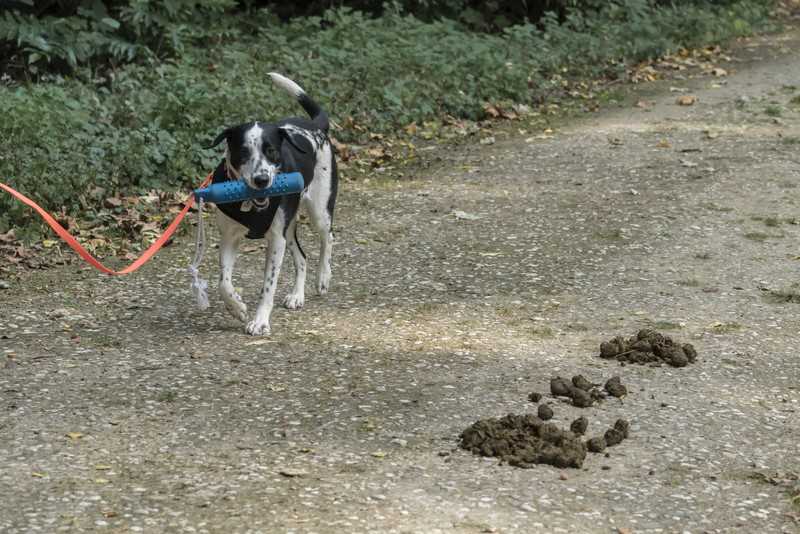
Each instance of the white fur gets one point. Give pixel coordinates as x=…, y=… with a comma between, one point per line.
x=286, y=84
x=315, y=201
x=259, y=326
x=231, y=233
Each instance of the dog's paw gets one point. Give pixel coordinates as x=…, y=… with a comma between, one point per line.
x=257, y=328
x=323, y=283
x=238, y=309
x=294, y=301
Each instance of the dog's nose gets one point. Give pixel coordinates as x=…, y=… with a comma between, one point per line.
x=261, y=180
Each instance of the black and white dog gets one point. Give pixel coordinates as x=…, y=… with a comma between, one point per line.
x=255, y=153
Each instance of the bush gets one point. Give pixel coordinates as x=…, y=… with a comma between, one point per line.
x=72, y=141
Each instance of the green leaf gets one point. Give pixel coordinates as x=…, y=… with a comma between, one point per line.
x=111, y=23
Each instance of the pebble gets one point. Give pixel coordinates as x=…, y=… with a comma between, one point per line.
x=4, y=285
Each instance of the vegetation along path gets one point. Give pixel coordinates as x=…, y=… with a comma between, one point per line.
x=456, y=294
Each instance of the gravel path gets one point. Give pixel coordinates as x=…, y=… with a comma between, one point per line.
x=125, y=409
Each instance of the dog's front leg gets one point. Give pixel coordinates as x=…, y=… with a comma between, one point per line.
x=259, y=326
x=231, y=234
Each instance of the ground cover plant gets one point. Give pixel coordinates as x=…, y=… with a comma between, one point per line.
x=121, y=98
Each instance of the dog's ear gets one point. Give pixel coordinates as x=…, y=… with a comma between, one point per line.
x=224, y=135
x=297, y=140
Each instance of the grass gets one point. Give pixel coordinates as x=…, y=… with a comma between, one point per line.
x=783, y=296
x=757, y=236
x=773, y=110
x=167, y=396
x=611, y=235
x=726, y=328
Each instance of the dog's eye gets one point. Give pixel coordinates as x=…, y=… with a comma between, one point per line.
x=272, y=153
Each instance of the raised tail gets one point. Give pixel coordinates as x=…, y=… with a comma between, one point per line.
x=317, y=114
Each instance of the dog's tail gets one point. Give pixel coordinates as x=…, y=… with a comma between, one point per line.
x=314, y=110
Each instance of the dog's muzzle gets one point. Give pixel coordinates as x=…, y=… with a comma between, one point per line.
x=262, y=180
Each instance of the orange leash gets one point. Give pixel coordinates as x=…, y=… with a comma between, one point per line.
x=73, y=243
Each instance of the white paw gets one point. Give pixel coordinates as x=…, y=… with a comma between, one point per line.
x=294, y=301
x=237, y=308
x=257, y=328
x=234, y=305
x=323, y=283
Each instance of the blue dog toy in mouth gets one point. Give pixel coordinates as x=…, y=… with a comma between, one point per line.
x=285, y=183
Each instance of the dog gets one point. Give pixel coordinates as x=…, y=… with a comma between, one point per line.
x=255, y=152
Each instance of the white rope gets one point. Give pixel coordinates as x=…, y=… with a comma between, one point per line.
x=199, y=286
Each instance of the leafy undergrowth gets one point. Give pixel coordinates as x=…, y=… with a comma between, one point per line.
x=392, y=84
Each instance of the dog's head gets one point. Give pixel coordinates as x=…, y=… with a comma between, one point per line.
x=255, y=152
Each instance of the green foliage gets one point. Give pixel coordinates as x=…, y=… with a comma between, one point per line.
x=103, y=34
x=72, y=141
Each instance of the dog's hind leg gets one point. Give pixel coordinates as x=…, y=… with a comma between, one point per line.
x=296, y=298
x=259, y=326
x=319, y=202
x=231, y=234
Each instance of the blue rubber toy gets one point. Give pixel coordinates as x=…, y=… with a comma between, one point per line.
x=237, y=190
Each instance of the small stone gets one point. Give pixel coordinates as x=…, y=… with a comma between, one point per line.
x=4, y=285
x=579, y=425
x=545, y=412
x=535, y=397
x=292, y=472
x=562, y=476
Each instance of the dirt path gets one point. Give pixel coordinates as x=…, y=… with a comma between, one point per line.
x=124, y=409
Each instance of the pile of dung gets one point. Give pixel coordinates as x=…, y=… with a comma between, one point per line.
x=523, y=441
x=583, y=392
x=649, y=347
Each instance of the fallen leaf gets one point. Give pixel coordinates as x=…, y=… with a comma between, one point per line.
x=465, y=216
x=686, y=100
x=379, y=454
x=37, y=474
x=710, y=134
x=491, y=110
x=664, y=144
x=8, y=237
x=74, y=435
x=101, y=467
